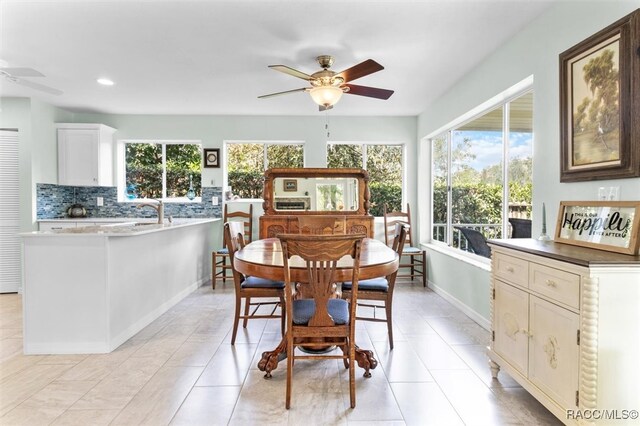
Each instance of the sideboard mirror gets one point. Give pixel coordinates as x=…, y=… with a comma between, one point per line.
x=316, y=191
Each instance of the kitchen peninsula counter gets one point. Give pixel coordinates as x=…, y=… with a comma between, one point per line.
x=89, y=289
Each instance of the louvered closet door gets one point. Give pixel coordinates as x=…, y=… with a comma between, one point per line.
x=9, y=213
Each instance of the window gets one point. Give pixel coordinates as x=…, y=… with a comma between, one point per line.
x=384, y=164
x=246, y=163
x=481, y=172
x=161, y=169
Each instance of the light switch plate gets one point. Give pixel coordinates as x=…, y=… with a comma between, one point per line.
x=214, y=201
x=100, y=201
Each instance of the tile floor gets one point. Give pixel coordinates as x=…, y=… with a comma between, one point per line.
x=182, y=370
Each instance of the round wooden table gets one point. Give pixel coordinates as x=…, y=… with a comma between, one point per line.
x=263, y=258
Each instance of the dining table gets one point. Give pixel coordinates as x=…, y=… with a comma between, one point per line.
x=263, y=258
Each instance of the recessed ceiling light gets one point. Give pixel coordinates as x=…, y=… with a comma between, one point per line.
x=105, y=82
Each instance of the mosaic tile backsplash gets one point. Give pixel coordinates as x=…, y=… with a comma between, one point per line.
x=54, y=200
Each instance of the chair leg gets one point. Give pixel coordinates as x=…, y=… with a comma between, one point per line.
x=247, y=306
x=283, y=316
x=224, y=269
x=388, y=313
x=352, y=374
x=213, y=270
x=424, y=268
x=287, y=403
x=236, y=319
x=413, y=267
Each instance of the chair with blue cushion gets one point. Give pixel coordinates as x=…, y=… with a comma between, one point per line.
x=316, y=318
x=248, y=288
x=219, y=265
x=417, y=257
x=379, y=289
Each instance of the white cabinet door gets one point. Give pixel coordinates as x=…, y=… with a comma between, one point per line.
x=78, y=156
x=511, y=322
x=85, y=154
x=554, y=351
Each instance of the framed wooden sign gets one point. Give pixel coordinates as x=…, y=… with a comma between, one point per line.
x=604, y=225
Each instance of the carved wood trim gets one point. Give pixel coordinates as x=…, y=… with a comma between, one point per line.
x=588, y=380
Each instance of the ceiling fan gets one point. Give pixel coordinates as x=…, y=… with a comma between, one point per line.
x=16, y=75
x=328, y=86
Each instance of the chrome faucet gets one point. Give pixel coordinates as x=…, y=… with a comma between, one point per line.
x=159, y=208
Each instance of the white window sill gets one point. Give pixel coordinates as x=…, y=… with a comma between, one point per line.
x=470, y=258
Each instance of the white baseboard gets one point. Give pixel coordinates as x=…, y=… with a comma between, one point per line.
x=482, y=321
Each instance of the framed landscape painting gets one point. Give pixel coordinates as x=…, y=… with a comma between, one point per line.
x=600, y=103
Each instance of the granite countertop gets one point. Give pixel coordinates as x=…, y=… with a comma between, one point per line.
x=123, y=229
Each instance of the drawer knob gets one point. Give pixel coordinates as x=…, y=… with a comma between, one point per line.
x=550, y=283
x=509, y=269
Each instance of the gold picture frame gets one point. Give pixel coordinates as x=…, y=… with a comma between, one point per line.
x=290, y=185
x=600, y=103
x=604, y=225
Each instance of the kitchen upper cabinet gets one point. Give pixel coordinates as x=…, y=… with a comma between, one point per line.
x=85, y=154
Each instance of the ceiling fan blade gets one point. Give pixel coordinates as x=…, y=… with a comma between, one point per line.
x=371, y=92
x=37, y=86
x=303, y=89
x=288, y=70
x=360, y=70
x=22, y=72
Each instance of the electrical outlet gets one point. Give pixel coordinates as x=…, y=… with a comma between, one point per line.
x=214, y=201
x=100, y=201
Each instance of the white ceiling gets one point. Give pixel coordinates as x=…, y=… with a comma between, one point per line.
x=211, y=57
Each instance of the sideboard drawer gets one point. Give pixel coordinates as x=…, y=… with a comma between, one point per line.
x=559, y=285
x=512, y=269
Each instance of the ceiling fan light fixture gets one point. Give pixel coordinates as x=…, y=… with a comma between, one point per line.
x=326, y=95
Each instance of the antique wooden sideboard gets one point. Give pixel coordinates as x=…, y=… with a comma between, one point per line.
x=340, y=193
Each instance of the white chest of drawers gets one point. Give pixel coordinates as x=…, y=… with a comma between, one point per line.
x=566, y=326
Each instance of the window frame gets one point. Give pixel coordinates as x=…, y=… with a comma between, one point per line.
x=225, y=166
x=363, y=145
x=500, y=101
x=122, y=168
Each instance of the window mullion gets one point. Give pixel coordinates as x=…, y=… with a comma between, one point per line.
x=164, y=171
x=505, y=169
x=364, y=156
x=449, y=190
x=265, y=158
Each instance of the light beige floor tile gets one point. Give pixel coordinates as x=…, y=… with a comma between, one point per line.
x=526, y=407
x=261, y=400
x=424, y=404
x=6, y=333
x=311, y=409
x=117, y=389
x=47, y=404
x=377, y=423
x=435, y=353
x=229, y=365
x=472, y=399
x=196, y=351
x=374, y=398
x=22, y=385
x=9, y=348
x=401, y=364
x=160, y=348
x=159, y=400
x=475, y=356
x=63, y=359
x=86, y=417
x=456, y=332
x=18, y=363
x=210, y=405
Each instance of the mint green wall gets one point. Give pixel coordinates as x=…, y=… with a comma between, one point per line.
x=534, y=51
x=35, y=122
x=214, y=130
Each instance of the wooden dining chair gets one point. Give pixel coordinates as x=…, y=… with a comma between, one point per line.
x=219, y=264
x=379, y=289
x=321, y=315
x=248, y=288
x=417, y=257
x=318, y=225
